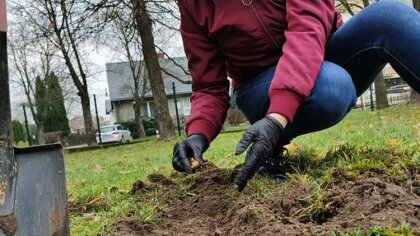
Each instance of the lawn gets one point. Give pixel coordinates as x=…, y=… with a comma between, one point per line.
x=98, y=181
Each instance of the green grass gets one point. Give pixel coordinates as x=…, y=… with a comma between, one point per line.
x=95, y=173
x=376, y=129
x=401, y=230
x=94, y=176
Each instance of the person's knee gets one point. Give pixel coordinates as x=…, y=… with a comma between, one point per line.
x=388, y=15
x=388, y=6
x=335, y=92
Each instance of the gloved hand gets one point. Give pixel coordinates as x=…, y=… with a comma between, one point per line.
x=192, y=147
x=264, y=135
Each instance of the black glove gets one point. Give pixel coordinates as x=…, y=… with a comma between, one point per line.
x=192, y=147
x=264, y=136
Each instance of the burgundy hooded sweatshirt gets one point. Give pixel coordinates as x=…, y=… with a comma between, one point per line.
x=242, y=38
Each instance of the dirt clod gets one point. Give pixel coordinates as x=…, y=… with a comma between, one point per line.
x=140, y=186
x=131, y=226
x=158, y=178
x=8, y=225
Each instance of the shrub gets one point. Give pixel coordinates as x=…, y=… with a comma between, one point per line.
x=235, y=117
x=18, y=133
x=79, y=139
x=149, y=125
x=54, y=137
x=130, y=125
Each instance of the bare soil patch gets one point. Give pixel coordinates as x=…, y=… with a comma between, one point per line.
x=206, y=203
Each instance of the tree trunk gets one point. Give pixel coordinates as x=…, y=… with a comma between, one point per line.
x=87, y=117
x=416, y=4
x=365, y=3
x=415, y=97
x=137, y=117
x=144, y=25
x=40, y=134
x=380, y=92
x=83, y=93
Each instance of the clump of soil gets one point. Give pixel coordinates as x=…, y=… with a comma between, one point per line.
x=131, y=226
x=158, y=178
x=8, y=225
x=155, y=179
x=140, y=186
x=206, y=203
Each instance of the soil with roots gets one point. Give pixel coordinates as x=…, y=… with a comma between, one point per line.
x=206, y=203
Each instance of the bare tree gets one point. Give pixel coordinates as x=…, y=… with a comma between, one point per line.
x=128, y=38
x=67, y=26
x=148, y=14
x=31, y=59
x=144, y=28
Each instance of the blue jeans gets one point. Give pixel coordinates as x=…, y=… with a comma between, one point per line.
x=385, y=32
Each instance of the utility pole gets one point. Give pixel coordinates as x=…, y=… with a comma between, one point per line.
x=176, y=109
x=26, y=125
x=97, y=119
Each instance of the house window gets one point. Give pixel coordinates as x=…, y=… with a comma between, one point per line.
x=148, y=109
x=143, y=110
x=186, y=104
x=151, y=109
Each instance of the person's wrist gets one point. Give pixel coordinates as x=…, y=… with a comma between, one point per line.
x=280, y=118
x=199, y=140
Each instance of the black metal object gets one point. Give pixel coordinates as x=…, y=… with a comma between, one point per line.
x=176, y=109
x=33, y=197
x=7, y=160
x=41, y=202
x=97, y=119
x=26, y=126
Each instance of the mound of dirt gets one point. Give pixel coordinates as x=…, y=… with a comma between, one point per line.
x=210, y=205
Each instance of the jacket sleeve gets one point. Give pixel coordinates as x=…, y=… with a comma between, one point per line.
x=308, y=27
x=210, y=98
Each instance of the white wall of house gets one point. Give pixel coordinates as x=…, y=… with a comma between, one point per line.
x=112, y=117
x=183, y=104
x=123, y=110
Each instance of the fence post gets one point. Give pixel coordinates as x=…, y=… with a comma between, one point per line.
x=26, y=125
x=176, y=109
x=97, y=119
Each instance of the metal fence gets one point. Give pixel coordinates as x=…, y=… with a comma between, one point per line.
x=397, y=95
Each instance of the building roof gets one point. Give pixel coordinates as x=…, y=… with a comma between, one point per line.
x=121, y=83
x=389, y=72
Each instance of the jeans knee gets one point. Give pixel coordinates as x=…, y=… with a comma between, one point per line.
x=335, y=92
x=388, y=15
x=388, y=6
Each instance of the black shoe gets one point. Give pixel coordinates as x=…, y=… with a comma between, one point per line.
x=274, y=168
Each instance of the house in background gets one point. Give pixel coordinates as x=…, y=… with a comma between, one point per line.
x=121, y=87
